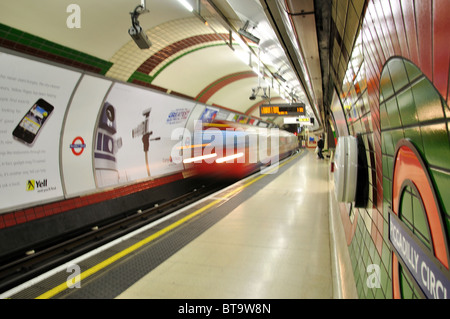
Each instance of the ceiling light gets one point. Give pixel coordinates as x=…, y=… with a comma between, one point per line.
x=258, y=72
x=243, y=56
x=186, y=5
x=241, y=42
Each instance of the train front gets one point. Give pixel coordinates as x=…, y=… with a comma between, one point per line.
x=229, y=150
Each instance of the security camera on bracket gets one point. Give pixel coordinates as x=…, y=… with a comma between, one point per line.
x=256, y=91
x=136, y=32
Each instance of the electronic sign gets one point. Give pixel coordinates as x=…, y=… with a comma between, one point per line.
x=298, y=120
x=296, y=109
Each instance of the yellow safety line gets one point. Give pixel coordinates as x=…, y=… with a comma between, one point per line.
x=125, y=252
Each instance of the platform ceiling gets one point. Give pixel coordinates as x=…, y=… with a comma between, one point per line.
x=303, y=45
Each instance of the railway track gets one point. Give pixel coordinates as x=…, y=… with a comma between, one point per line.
x=19, y=270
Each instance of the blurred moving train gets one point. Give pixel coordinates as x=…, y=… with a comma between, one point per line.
x=230, y=150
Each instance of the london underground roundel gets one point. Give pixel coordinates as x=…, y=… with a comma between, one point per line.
x=78, y=146
x=427, y=265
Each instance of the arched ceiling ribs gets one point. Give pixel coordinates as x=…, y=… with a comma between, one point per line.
x=150, y=66
x=214, y=87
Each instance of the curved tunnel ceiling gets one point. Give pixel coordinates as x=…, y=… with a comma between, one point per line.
x=187, y=57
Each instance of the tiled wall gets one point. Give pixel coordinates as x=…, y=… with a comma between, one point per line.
x=32, y=45
x=170, y=41
x=396, y=86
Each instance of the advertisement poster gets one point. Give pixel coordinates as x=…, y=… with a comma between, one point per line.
x=33, y=100
x=209, y=114
x=134, y=135
x=223, y=115
x=78, y=137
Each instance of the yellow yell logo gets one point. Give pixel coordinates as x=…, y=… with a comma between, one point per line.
x=31, y=185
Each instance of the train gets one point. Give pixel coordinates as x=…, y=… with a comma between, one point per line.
x=231, y=150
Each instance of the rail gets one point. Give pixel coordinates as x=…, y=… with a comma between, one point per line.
x=22, y=269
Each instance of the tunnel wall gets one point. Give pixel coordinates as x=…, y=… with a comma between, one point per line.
x=394, y=93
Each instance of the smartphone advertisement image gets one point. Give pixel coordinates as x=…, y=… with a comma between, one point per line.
x=33, y=100
x=29, y=127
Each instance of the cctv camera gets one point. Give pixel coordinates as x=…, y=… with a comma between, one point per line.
x=139, y=37
x=254, y=93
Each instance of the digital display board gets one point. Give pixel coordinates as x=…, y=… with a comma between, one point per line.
x=282, y=109
x=298, y=120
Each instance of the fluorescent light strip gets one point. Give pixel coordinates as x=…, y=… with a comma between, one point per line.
x=241, y=42
x=186, y=5
x=198, y=158
x=231, y=157
x=243, y=56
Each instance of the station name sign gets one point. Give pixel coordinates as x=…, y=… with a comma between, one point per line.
x=296, y=109
x=432, y=278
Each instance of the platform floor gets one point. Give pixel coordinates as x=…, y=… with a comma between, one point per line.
x=276, y=244
x=265, y=237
